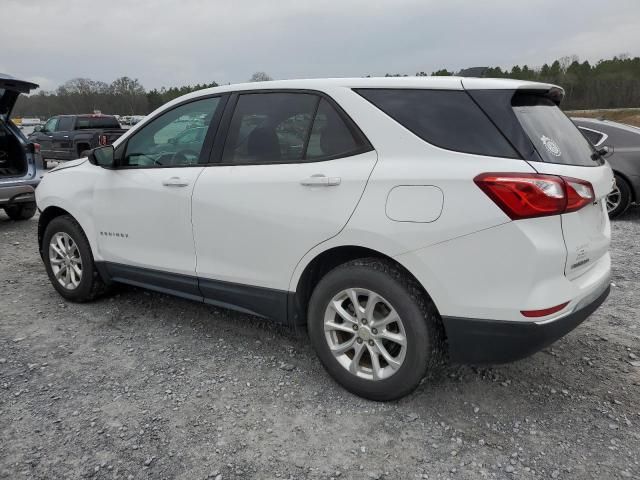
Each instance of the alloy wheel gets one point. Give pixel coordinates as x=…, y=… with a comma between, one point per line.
x=365, y=334
x=65, y=260
x=613, y=199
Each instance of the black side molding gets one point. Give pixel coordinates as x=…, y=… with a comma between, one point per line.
x=479, y=341
x=262, y=302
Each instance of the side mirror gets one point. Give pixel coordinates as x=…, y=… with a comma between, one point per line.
x=37, y=128
x=103, y=156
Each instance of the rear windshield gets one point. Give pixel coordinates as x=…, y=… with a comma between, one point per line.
x=96, y=122
x=446, y=118
x=553, y=134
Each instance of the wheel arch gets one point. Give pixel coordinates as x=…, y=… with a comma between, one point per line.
x=46, y=216
x=632, y=189
x=323, y=263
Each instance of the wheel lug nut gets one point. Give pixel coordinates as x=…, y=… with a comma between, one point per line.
x=355, y=327
x=374, y=331
x=364, y=321
x=359, y=340
x=371, y=343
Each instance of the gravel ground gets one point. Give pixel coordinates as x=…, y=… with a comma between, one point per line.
x=142, y=385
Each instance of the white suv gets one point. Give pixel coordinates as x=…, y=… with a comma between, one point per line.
x=400, y=220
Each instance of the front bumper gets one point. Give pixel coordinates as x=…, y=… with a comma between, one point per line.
x=478, y=341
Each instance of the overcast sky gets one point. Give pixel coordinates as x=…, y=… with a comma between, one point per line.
x=177, y=42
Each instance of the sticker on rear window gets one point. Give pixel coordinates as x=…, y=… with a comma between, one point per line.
x=550, y=145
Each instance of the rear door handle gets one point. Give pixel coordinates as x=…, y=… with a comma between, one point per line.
x=320, y=180
x=175, y=182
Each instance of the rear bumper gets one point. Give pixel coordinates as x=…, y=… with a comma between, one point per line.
x=17, y=194
x=479, y=341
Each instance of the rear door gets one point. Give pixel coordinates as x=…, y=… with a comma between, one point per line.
x=564, y=151
x=292, y=167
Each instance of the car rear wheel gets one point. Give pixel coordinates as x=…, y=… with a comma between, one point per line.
x=21, y=211
x=374, y=329
x=69, y=262
x=619, y=199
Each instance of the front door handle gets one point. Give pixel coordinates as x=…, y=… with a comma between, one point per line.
x=175, y=182
x=320, y=180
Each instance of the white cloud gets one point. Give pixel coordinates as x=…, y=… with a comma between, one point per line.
x=175, y=42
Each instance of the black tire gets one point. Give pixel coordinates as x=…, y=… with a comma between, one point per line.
x=422, y=325
x=21, y=211
x=625, y=197
x=91, y=285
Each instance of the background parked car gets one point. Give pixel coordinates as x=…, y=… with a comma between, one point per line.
x=623, y=142
x=20, y=161
x=65, y=137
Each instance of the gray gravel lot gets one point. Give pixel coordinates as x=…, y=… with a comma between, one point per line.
x=142, y=385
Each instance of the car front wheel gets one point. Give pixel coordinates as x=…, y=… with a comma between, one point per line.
x=373, y=328
x=69, y=262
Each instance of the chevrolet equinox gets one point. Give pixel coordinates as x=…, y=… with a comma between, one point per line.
x=402, y=221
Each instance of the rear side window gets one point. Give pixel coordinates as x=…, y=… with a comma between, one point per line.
x=283, y=127
x=554, y=135
x=449, y=119
x=330, y=135
x=65, y=124
x=269, y=128
x=96, y=122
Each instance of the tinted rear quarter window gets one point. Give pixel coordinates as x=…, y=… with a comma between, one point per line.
x=448, y=119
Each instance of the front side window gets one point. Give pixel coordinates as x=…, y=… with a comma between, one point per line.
x=448, y=119
x=160, y=143
x=51, y=125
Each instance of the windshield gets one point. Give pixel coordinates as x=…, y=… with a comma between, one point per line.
x=553, y=134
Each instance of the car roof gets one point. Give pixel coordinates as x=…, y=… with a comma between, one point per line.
x=443, y=83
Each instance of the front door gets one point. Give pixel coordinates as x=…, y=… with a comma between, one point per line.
x=45, y=138
x=142, y=208
x=290, y=175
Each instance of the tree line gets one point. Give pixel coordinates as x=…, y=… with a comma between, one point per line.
x=612, y=83
x=123, y=96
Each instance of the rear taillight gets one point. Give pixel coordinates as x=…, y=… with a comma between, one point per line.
x=102, y=140
x=530, y=195
x=36, y=147
x=579, y=194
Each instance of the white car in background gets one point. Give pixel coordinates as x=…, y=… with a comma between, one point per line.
x=399, y=220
